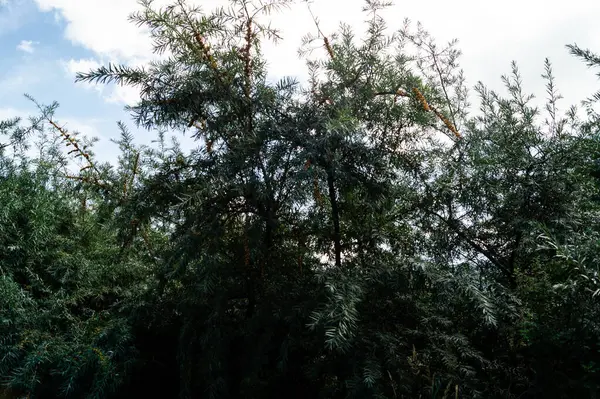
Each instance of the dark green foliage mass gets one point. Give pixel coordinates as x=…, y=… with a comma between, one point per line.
x=363, y=235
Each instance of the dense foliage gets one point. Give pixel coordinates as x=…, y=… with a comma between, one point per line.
x=364, y=235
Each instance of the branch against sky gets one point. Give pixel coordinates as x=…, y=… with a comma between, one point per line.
x=489, y=34
x=72, y=36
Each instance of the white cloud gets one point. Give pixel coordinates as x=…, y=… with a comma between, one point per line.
x=101, y=26
x=9, y=112
x=114, y=94
x=124, y=95
x=27, y=46
x=17, y=81
x=491, y=34
x=73, y=66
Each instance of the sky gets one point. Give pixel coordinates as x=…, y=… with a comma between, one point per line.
x=43, y=43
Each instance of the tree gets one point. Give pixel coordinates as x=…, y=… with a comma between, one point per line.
x=359, y=237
